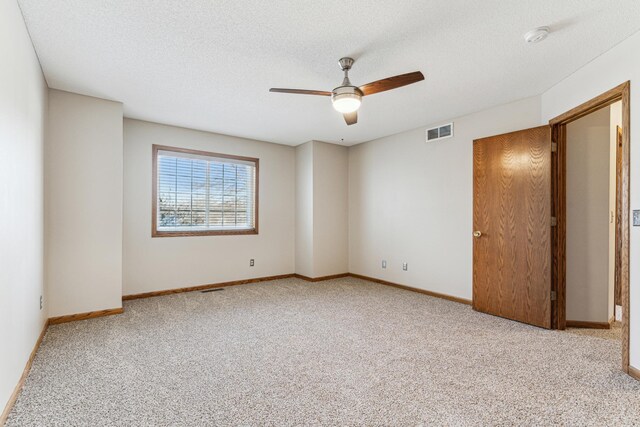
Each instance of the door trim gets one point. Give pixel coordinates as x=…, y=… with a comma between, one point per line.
x=617, y=293
x=558, y=134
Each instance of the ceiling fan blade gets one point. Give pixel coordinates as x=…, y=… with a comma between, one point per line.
x=391, y=83
x=300, y=91
x=351, y=118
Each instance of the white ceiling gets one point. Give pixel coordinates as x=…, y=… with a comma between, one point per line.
x=208, y=64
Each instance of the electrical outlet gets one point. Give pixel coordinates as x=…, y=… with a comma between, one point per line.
x=384, y=264
x=405, y=266
x=40, y=302
x=251, y=262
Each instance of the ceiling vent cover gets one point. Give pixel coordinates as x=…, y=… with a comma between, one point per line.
x=440, y=132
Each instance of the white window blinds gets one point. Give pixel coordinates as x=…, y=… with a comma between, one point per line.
x=201, y=193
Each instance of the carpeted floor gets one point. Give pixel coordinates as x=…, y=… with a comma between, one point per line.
x=615, y=333
x=341, y=352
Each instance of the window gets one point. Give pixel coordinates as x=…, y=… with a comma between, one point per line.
x=196, y=193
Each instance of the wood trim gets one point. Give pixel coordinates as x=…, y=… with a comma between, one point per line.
x=321, y=278
x=561, y=228
x=617, y=299
x=154, y=194
x=634, y=372
x=85, y=316
x=412, y=289
x=23, y=377
x=204, y=233
x=609, y=97
x=204, y=287
x=619, y=93
x=588, y=325
x=618, y=226
x=559, y=232
x=625, y=205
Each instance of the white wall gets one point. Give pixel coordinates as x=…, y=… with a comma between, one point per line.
x=620, y=64
x=588, y=219
x=330, y=209
x=411, y=201
x=83, y=204
x=322, y=193
x=152, y=264
x=23, y=110
x=304, y=210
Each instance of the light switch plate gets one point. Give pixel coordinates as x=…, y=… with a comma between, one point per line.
x=636, y=218
x=405, y=266
x=384, y=264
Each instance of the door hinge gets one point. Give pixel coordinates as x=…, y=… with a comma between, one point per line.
x=554, y=147
x=554, y=296
x=554, y=221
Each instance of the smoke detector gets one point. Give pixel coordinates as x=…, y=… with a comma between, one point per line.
x=536, y=35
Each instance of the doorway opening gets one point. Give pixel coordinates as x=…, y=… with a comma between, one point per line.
x=590, y=201
x=592, y=220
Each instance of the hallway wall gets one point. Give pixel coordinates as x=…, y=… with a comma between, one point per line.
x=588, y=219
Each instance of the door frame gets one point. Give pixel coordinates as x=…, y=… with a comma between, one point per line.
x=617, y=291
x=558, y=206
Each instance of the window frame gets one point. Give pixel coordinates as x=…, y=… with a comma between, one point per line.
x=154, y=194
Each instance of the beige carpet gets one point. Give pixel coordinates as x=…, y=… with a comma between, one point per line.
x=342, y=352
x=615, y=333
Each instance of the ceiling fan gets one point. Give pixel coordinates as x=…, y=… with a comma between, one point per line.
x=347, y=98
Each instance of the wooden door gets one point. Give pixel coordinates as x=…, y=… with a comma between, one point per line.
x=512, y=226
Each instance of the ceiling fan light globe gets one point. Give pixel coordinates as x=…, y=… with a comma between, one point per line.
x=346, y=102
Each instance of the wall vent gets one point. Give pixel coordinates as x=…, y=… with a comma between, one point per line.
x=440, y=132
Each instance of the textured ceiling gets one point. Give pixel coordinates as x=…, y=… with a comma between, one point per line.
x=208, y=64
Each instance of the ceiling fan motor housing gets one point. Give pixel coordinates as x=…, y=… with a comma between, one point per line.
x=346, y=99
x=342, y=90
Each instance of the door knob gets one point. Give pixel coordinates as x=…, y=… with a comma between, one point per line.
x=477, y=234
